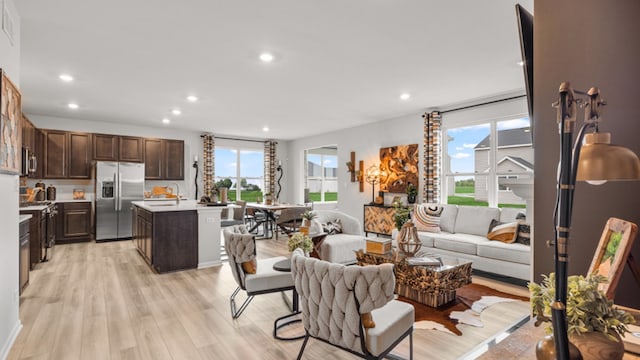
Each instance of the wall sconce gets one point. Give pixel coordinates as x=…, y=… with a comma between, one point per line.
x=596, y=161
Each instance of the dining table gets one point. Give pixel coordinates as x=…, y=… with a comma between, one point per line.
x=269, y=211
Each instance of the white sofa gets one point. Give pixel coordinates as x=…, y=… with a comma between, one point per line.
x=464, y=235
x=341, y=247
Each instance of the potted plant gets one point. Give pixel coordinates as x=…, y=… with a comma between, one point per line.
x=300, y=240
x=307, y=219
x=591, y=317
x=412, y=193
x=401, y=215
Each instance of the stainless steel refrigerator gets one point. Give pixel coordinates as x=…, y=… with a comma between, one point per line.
x=117, y=185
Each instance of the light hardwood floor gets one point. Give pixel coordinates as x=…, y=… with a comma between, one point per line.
x=102, y=301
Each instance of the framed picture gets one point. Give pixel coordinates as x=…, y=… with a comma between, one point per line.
x=398, y=167
x=10, y=127
x=612, y=252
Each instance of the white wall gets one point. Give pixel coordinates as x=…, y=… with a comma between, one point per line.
x=192, y=146
x=9, y=323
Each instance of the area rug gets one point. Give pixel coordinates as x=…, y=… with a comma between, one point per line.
x=440, y=318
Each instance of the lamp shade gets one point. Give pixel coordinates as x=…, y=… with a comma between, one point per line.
x=600, y=161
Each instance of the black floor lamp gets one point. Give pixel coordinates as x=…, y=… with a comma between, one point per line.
x=595, y=161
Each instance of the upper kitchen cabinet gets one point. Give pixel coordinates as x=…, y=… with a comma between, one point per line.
x=174, y=159
x=131, y=149
x=164, y=159
x=67, y=155
x=118, y=148
x=153, y=159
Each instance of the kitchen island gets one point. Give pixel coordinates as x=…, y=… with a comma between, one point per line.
x=174, y=236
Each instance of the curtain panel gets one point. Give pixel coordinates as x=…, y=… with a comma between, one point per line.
x=432, y=157
x=270, y=167
x=208, y=163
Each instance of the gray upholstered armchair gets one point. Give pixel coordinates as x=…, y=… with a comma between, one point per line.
x=253, y=276
x=351, y=307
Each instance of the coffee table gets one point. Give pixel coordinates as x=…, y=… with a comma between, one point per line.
x=430, y=285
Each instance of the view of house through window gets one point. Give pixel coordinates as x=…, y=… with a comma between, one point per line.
x=322, y=173
x=484, y=172
x=241, y=171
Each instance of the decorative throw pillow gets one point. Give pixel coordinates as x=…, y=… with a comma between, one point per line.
x=426, y=217
x=505, y=232
x=524, y=234
x=367, y=321
x=332, y=227
x=250, y=267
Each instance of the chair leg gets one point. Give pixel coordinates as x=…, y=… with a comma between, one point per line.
x=235, y=313
x=304, y=343
x=411, y=346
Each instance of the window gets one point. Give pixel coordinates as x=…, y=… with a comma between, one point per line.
x=482, y=171
x=322, y=173
x=235, y=166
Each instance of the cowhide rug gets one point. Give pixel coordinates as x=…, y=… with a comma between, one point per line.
x=466, y=306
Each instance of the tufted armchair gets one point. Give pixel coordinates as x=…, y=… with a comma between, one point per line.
x=253, y=276
x=351, y=307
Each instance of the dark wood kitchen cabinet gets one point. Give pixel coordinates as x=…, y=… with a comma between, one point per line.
x=24, y=262
x=74, y=222
x=164, y=159
x=174, y=159
x=167, y=240
x=67, y=155
x=108, y=147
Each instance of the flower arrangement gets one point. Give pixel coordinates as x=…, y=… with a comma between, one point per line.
x=300, y=240
x=588, y=309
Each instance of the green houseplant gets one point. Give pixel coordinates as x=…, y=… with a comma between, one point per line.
x=589, y=312
x=412, y=193
x=300, y=240
x=401, y=215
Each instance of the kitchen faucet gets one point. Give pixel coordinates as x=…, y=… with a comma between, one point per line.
x=177, y=192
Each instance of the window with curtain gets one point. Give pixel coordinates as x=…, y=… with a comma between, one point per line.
x=240, y=170
x=483, y=162
x=322, y=173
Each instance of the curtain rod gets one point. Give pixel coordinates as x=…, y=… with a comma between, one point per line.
x=482, y=104
x=237, y=139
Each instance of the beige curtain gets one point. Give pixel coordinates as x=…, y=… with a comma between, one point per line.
x=270, y=167
x=432, y=157
x=208, y=163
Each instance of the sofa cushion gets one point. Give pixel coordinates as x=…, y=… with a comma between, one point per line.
x=505, y=232
x=523, y=236
x=426, y=217
x=475, y=220
x=510, y=214
x=340, y=248
x=515, y=252
x=448, y=217
x=461, y=243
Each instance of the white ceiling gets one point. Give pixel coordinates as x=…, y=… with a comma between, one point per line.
x=339, y=63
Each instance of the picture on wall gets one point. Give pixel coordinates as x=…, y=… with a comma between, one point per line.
x=398, y=167
x=10, y=132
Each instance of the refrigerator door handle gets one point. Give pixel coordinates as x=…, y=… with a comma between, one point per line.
x=115, y=181
x=119, y=191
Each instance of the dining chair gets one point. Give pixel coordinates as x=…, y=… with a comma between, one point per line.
x=238, y=215
x=289, y=220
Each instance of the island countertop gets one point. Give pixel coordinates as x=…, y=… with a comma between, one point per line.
x=169, y=205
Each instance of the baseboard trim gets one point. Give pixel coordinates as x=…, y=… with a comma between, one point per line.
x=4, y=353
x=209, y=264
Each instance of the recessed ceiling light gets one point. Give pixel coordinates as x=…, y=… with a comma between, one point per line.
x=520, y=63
x=266, y=57
x=405, y=96
x=66, y=77
x=192, y=98
x=72, y=106
x=265, y=128
x=176, y=112
x=166, y=121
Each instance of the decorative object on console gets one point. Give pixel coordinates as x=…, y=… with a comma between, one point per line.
x=408, y=241
x=373, y=177
x=412, y=193
x=398, y=167
x=426, y=217
x=432, y=157
x=598, y=163
x=589, y=312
